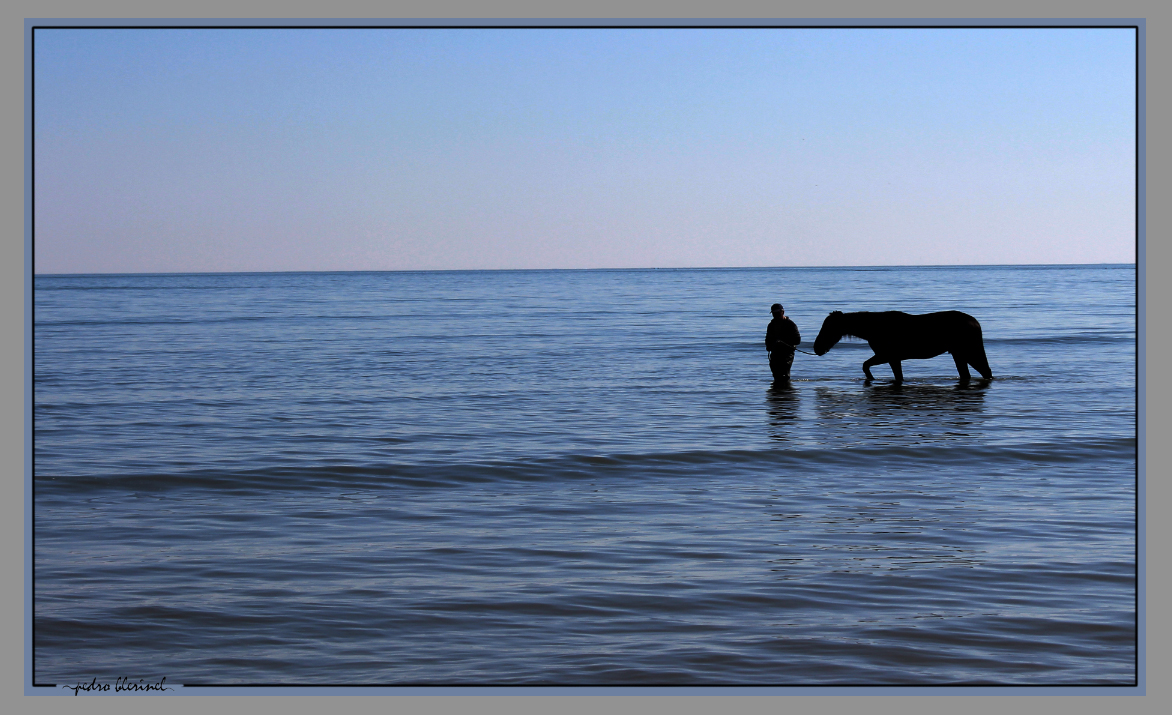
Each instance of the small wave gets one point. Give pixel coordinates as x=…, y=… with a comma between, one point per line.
x=1065, y=340
x=170, y=321
x=586, y=467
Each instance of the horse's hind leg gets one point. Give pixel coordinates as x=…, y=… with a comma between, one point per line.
x=961, y=367
x=978, y=360
x=897, y=370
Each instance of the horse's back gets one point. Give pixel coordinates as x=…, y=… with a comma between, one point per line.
x=955, y=320
x=924, y=336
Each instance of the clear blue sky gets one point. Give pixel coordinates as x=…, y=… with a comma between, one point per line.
x=275, y=150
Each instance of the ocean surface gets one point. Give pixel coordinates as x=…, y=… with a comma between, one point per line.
x=580, y=477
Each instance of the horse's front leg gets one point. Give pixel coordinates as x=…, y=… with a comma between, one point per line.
x=897, y=370
x=873, y=360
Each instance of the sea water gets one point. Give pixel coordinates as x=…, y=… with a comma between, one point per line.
x=580, y=477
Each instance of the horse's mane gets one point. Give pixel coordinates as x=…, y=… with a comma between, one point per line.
x=842, y=320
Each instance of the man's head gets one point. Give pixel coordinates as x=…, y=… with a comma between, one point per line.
x=777, y=310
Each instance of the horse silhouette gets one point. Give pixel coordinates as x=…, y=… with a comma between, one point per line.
x=896, y=336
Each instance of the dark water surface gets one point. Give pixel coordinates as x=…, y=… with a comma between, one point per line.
x=580, y=477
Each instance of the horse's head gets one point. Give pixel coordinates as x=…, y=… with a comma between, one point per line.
x=830, y=334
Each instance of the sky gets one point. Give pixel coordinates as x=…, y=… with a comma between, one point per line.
x=176, y=150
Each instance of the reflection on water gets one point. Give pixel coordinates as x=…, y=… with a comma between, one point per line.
x=782, y=402
x=909, y=413
x=901, y=414
x=964, y=396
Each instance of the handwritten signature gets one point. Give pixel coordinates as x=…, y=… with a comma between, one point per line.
x=120, y=685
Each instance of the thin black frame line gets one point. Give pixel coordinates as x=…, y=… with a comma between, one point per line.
x=32, y=249
x=33, y=355
x=1135, y=518
x=653, y=685
x=884, y=267
x=582, y=27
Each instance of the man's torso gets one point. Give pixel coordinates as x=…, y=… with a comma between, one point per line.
x=782, y=334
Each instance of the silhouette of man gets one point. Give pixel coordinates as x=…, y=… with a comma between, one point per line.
x=781, y=337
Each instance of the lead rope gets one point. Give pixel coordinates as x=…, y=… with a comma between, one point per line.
x=795, y=348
